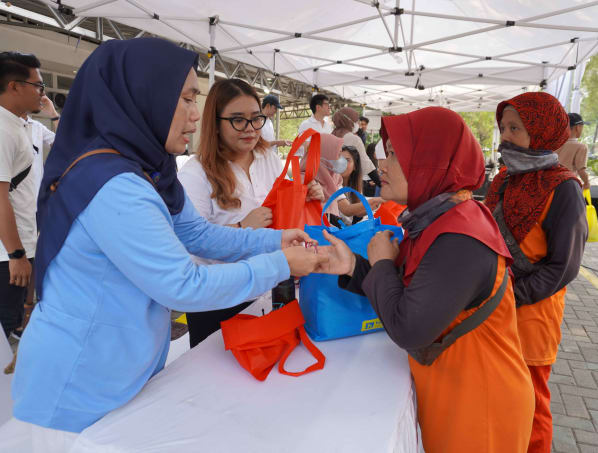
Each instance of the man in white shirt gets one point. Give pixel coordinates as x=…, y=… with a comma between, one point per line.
x=41, y=137
x=21, y=91
x=270, y=105
x=320, y=107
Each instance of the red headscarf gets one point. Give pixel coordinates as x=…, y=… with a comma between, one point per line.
x=526, y=195
x=438, y=153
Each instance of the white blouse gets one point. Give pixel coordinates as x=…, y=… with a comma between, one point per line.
x=264, y=170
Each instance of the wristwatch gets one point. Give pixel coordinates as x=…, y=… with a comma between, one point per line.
x=17, y=254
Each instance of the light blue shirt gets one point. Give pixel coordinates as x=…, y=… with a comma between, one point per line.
x=102, y=328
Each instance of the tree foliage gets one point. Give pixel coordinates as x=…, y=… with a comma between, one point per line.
x=482, y=127
x=589, y=104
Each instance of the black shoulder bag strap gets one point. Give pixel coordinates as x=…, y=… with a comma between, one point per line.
x=427, y=356
x=521, y=264
x=14, y=182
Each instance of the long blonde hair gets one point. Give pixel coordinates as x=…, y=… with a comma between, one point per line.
x=213, y=157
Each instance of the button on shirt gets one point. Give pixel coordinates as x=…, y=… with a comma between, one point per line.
x=264, y=170
x=16, y=154
x=42, y=139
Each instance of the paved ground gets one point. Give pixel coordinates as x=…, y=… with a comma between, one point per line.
x=574, y=380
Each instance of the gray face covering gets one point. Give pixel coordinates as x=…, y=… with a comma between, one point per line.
x=337, y=166
x=522, y=160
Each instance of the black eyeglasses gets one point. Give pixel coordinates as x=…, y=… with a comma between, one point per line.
x=240, y=124
x=40, y=85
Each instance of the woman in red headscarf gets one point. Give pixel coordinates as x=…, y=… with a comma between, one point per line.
x=540, y=211
x=450, y=305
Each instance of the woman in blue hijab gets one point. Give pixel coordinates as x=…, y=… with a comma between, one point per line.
x=116, y=233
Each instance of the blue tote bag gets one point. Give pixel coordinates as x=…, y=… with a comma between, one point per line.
x=329, y=311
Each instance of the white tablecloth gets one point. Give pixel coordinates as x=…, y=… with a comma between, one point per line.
x=361, y=401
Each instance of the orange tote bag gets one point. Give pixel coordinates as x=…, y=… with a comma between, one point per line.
x=259, y=342
x=287, y=198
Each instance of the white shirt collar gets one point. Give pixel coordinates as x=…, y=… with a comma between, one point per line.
x=11, y=117
x=321, y=123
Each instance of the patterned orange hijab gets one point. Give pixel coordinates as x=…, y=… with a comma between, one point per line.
x=526, y=194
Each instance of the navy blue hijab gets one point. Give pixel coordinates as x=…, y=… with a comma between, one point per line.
x=124, y=97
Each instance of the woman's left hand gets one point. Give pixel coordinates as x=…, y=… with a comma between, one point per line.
x=294, y=237
x=315, y=191
x=382, y=248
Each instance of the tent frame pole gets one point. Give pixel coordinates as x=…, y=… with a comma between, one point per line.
x=212, y=29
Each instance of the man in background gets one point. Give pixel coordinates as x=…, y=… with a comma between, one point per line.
x=320, y=108
x=21, y=91
x=573, y=154
x=362, y=132
x=270, y=106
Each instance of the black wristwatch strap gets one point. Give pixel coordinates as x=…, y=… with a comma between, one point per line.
x=17, y=254
x=56, y=118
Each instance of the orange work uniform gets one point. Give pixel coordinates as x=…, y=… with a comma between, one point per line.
x=479, y=381
x=539, y=327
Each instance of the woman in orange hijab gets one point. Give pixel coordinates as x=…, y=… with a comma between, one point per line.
x=444, y=294
x=540, y=211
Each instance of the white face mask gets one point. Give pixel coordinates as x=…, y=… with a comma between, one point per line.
x=355, y=127
x=337, y=166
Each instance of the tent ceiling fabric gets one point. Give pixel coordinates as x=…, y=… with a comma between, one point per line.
x=392, y=55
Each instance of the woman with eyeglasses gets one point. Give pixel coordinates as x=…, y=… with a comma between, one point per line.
x=116, y=232
x=229, y=178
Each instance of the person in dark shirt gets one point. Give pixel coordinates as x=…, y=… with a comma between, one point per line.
x=540, y=210
x=362, y=132
x=444, y=294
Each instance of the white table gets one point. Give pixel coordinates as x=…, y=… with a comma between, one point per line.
x=361, y=401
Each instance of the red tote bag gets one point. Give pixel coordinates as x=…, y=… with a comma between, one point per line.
x=258, y=343
x=287, y=198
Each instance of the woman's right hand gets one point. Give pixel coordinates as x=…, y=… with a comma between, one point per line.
x=341, y=260
x=303, y=261
x=258, y=218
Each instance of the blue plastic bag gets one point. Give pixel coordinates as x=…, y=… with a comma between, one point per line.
x=329, y=311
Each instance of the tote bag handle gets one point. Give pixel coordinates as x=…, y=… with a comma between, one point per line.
x=342, y=190
x=313, y=158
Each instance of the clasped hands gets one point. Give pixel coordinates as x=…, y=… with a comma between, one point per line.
x=337, y=258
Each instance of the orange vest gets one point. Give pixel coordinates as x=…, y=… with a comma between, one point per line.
x=539, y=324
x=477, y=396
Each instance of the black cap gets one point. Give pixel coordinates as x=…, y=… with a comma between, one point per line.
x=271, y=99
x=575, y=119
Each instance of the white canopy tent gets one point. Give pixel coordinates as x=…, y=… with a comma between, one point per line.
x=391, y=55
